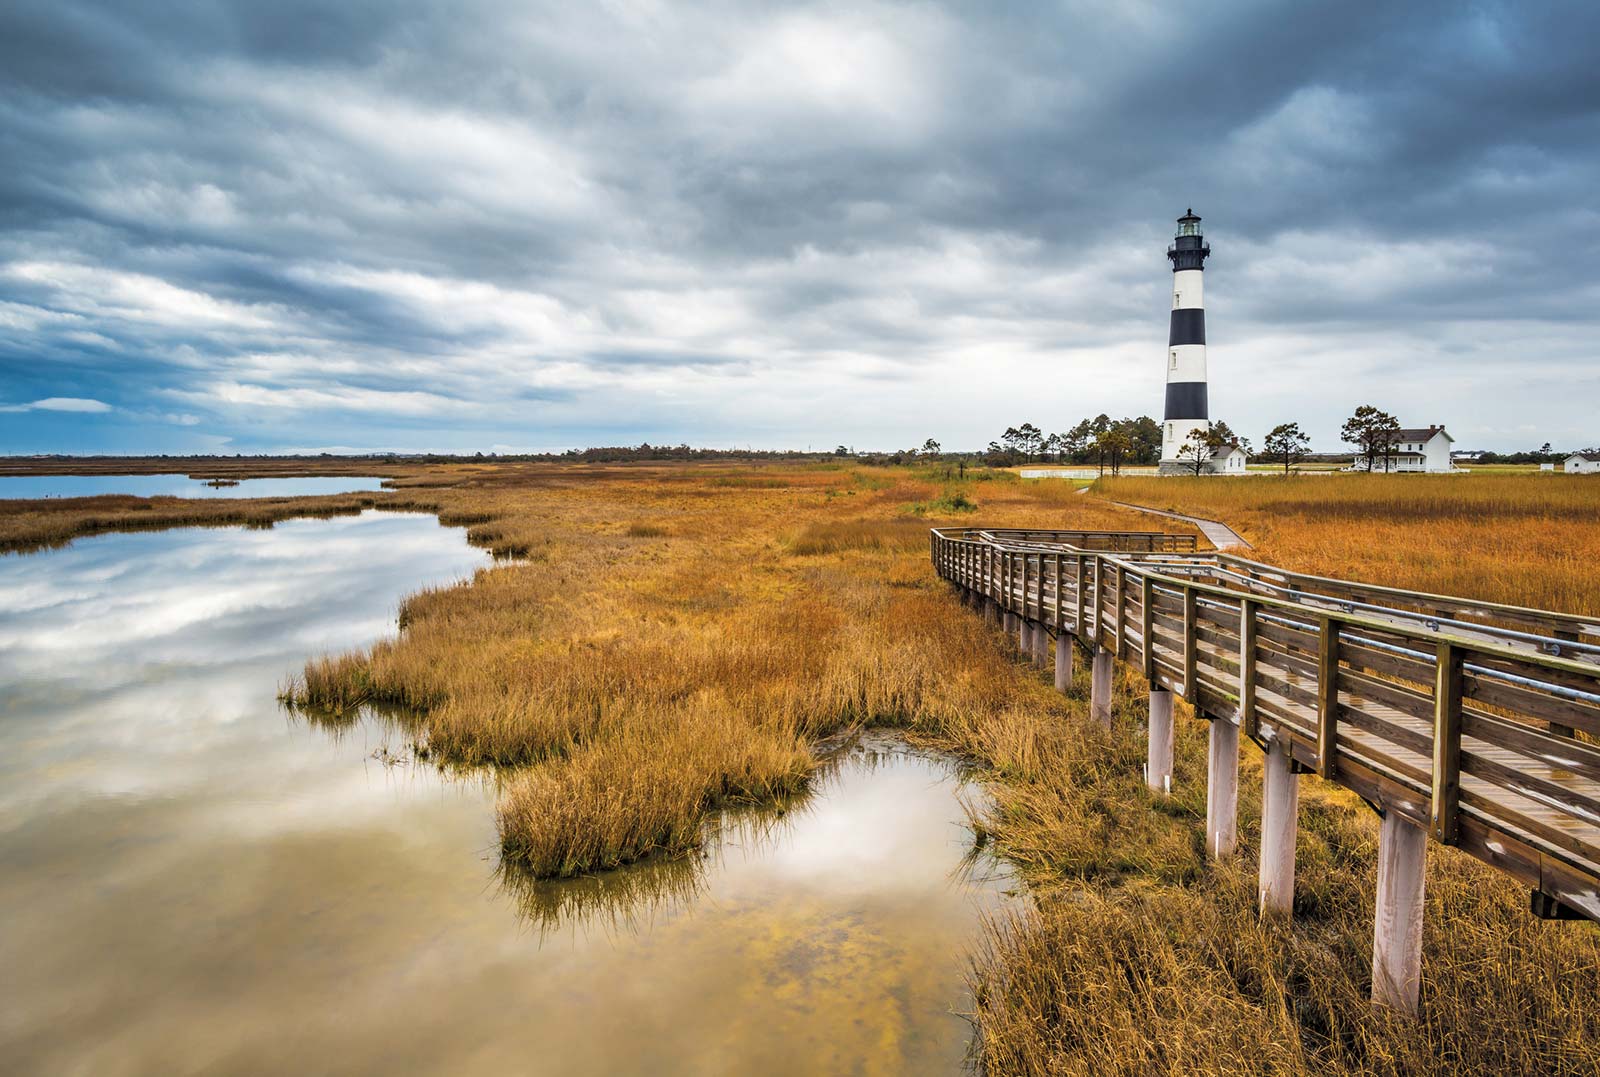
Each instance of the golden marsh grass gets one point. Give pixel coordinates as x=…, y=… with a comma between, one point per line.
x=679, y=639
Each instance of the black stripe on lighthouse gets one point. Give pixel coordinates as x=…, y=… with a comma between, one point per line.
x=1186, y=400
x=1188, y=326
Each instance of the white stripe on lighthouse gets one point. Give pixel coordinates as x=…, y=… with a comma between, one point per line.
x=1188, y=289
x=1186, y=362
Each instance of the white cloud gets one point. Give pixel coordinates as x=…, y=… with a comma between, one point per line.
x=61, y=403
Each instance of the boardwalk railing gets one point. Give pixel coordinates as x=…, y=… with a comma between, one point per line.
x=1457, y=720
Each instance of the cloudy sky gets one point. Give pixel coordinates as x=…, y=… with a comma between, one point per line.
x=476, y=226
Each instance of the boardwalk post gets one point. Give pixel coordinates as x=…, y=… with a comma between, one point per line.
x=1077, y=583
x=1099, y=603
x=1063, y=660
x=1280, y=808
x=1247, y=668
x=1120, y=641
x=1057, y=596
x=1397, y=934
x=1327, y=697
x=1158, y=768
x=1191, y=646
x=1100, y=687
x=1446, y=794
x=1147, y=622
x=1222, y=789
x=1024, y=628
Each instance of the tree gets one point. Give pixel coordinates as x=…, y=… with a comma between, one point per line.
x=1197, y=450
x=842, y=450
x=1114, y=443
x=1375, y=433
x=1022, y=440
x=930, y=447
x=1144, y=436
x=1078, y=441
x=1029, y=439
x=1202, y=446
x=1287, y=442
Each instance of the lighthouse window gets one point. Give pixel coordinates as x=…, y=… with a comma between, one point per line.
x=1174, y=365
x=1176, y=298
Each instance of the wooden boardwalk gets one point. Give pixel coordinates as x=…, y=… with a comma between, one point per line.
x=1455, y=719
x=1216, y=532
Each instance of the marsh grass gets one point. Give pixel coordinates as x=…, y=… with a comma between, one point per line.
x=31, y=525
x=642, y=693
x=1527, y=540
x=949, y=503
x=631, y=691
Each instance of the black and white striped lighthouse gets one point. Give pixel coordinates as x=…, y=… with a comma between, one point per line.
x=1186, y=342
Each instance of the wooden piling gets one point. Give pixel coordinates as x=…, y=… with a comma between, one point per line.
x=1280, y=810
x=1064, y=648
x=1397, y=932
x=1158, y=768
x=1222, y=789
x=1100, y=687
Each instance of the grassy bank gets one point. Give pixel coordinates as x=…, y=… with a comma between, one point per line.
x=1530, y=540
x=679, y=638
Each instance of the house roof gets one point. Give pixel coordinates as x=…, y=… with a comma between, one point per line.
x=1591, y=457
x=1422, y=433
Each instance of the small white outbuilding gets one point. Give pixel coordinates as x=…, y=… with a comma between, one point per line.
x=1229, y=460
x=1582, y=463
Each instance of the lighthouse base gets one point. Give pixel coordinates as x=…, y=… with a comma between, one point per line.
x=1183, y=467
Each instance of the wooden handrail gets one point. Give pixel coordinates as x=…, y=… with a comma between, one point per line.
x=1456, y=727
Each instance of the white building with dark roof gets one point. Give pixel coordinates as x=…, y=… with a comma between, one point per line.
x=1417, y=449
x=1582, y=463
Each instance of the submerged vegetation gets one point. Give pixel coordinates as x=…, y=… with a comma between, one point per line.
x=679, y=639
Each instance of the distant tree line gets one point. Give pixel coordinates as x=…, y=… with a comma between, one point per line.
x=1106, y=443
x=1102, y=441
x=1542, y=455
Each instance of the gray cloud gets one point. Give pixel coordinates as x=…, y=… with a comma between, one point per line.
x=468, y=224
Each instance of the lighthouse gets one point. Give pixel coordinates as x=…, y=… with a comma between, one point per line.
x=1186, y=344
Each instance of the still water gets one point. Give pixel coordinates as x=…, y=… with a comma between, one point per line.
x=192, y=880
x=19, y=486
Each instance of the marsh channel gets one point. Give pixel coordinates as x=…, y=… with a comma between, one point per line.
x=193, y=879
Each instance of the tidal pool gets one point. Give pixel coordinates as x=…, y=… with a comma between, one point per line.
x=33, y=486
x=192, y=880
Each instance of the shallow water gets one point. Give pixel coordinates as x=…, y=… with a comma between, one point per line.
x=30, y=486
x=192, y=880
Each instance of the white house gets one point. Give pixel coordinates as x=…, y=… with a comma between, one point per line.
x=1425, y=449
x=1229, y=460
x=1582, y=463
